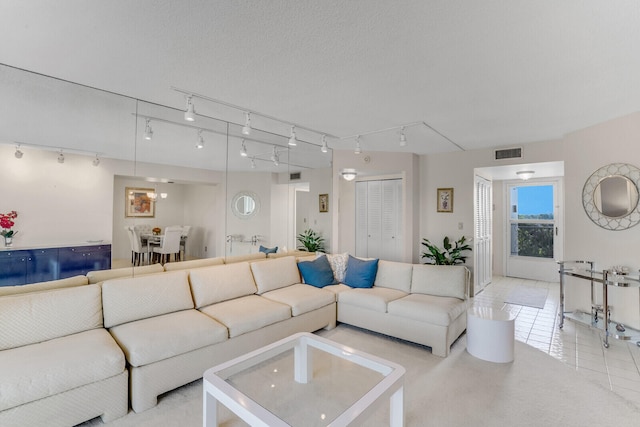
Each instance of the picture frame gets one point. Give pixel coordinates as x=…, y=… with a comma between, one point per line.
x=445, y=200
x=323, y=202
x=138, y=203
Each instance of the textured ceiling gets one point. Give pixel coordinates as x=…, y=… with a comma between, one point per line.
x=482, y=74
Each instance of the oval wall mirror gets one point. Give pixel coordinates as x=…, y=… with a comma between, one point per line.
x=245, y=204
x=610, y=196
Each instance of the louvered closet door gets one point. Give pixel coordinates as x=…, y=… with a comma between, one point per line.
x=379, y=219
x=482, y=234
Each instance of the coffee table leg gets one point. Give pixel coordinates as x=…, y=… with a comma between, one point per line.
x=396, y=410
x=303, y=365
x=210, y=410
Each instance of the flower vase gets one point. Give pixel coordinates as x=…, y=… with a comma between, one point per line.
x=8, y=241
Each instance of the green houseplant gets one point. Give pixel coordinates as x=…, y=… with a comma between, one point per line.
x=310, y=241
x=449, y=255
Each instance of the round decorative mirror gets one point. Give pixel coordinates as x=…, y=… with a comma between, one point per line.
x=610, y=196
x=245, y=204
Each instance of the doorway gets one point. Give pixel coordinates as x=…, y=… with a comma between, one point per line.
x=533, y=229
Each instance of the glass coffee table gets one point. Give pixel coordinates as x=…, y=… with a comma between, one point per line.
x=304, y=380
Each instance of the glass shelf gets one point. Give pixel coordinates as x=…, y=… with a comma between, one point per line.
x=578, y=316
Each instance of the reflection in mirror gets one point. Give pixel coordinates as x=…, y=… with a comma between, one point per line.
x=111, y=142
x=615, y=196
x=245, y=204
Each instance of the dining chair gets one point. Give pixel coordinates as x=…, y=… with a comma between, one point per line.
x=129, y=230
x=138, y=249
x=170, y=244
x=183, y=242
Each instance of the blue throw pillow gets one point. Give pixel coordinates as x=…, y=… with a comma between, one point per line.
x=317, y=273
x=360, y=273
x=268, y=250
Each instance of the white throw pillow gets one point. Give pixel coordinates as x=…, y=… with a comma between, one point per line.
x=338, y=264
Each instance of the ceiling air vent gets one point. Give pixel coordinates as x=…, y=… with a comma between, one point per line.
x=294, y=176
x=509, y=153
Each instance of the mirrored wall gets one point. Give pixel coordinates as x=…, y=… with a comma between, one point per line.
x=81, y=166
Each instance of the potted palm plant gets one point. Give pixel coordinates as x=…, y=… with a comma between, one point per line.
x=449, y=255
x=310, y=241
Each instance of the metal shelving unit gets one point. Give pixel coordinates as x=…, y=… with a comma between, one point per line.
x=600, y=316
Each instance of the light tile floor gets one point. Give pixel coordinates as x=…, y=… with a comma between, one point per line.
x=617, y=368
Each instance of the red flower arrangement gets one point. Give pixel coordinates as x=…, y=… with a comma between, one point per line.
x=6, y=222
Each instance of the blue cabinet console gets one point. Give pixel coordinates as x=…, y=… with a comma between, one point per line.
x=26, y=266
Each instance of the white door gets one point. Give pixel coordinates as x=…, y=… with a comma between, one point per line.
x=379, y=219
x=482, y=245
x=533, y=229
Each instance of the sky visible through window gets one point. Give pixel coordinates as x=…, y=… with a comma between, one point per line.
x=535, y=200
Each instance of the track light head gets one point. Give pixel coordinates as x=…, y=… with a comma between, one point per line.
x=190, y=114
x=358, y=149
x=246, y=129
x=18, y=153
x=253, y=163
x=274, y=156
x=96, y=161
x=403, y=138
x=148, y=132
x=324, y=147
x=243, y=150
x=293, y=140
x=60, y=157
x=200, y=143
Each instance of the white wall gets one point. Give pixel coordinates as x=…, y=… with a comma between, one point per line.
x=374, y=164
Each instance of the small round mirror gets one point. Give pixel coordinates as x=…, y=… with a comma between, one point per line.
x=245, y=204
x=615, y=196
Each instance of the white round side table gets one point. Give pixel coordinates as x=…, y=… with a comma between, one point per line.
x=490, y=334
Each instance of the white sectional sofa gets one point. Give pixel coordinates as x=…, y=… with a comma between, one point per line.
x=161, y=330
x=425, y=304
x=58, y=365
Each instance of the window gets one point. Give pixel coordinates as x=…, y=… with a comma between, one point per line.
x=532, y=221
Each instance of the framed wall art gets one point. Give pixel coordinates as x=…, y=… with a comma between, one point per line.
x=445, y=199
x=138, y=203
x=323, y=202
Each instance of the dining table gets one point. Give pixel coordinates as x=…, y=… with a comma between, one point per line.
x=151, y=240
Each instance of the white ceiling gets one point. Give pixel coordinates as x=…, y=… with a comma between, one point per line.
x=480, y=73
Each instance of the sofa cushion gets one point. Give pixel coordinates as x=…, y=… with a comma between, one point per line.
x=193, y=263
x=98, y=276
x=317, y=273
x=220, y=283
x=149, y=340
x=440, y=311
x=396, y=275
x=36, y=371
x=41, y=316
x=301, y=298
x=338, y=264
x=439, y=280
x=246, y=314
x=126, y=300
x=44, y=286
x=277, y=273
x=360, y=273
x=268, y=250
x=375, y=299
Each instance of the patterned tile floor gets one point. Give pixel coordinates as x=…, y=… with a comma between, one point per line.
x=616, y=368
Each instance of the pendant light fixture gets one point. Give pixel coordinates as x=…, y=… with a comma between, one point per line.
x=200, y=143
x=148, y=132
x=246, y=129
x=358, y=149
x=293, y=140
x=190, y=113
x=324, y=147
x=349, y=174
x=243, y=150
